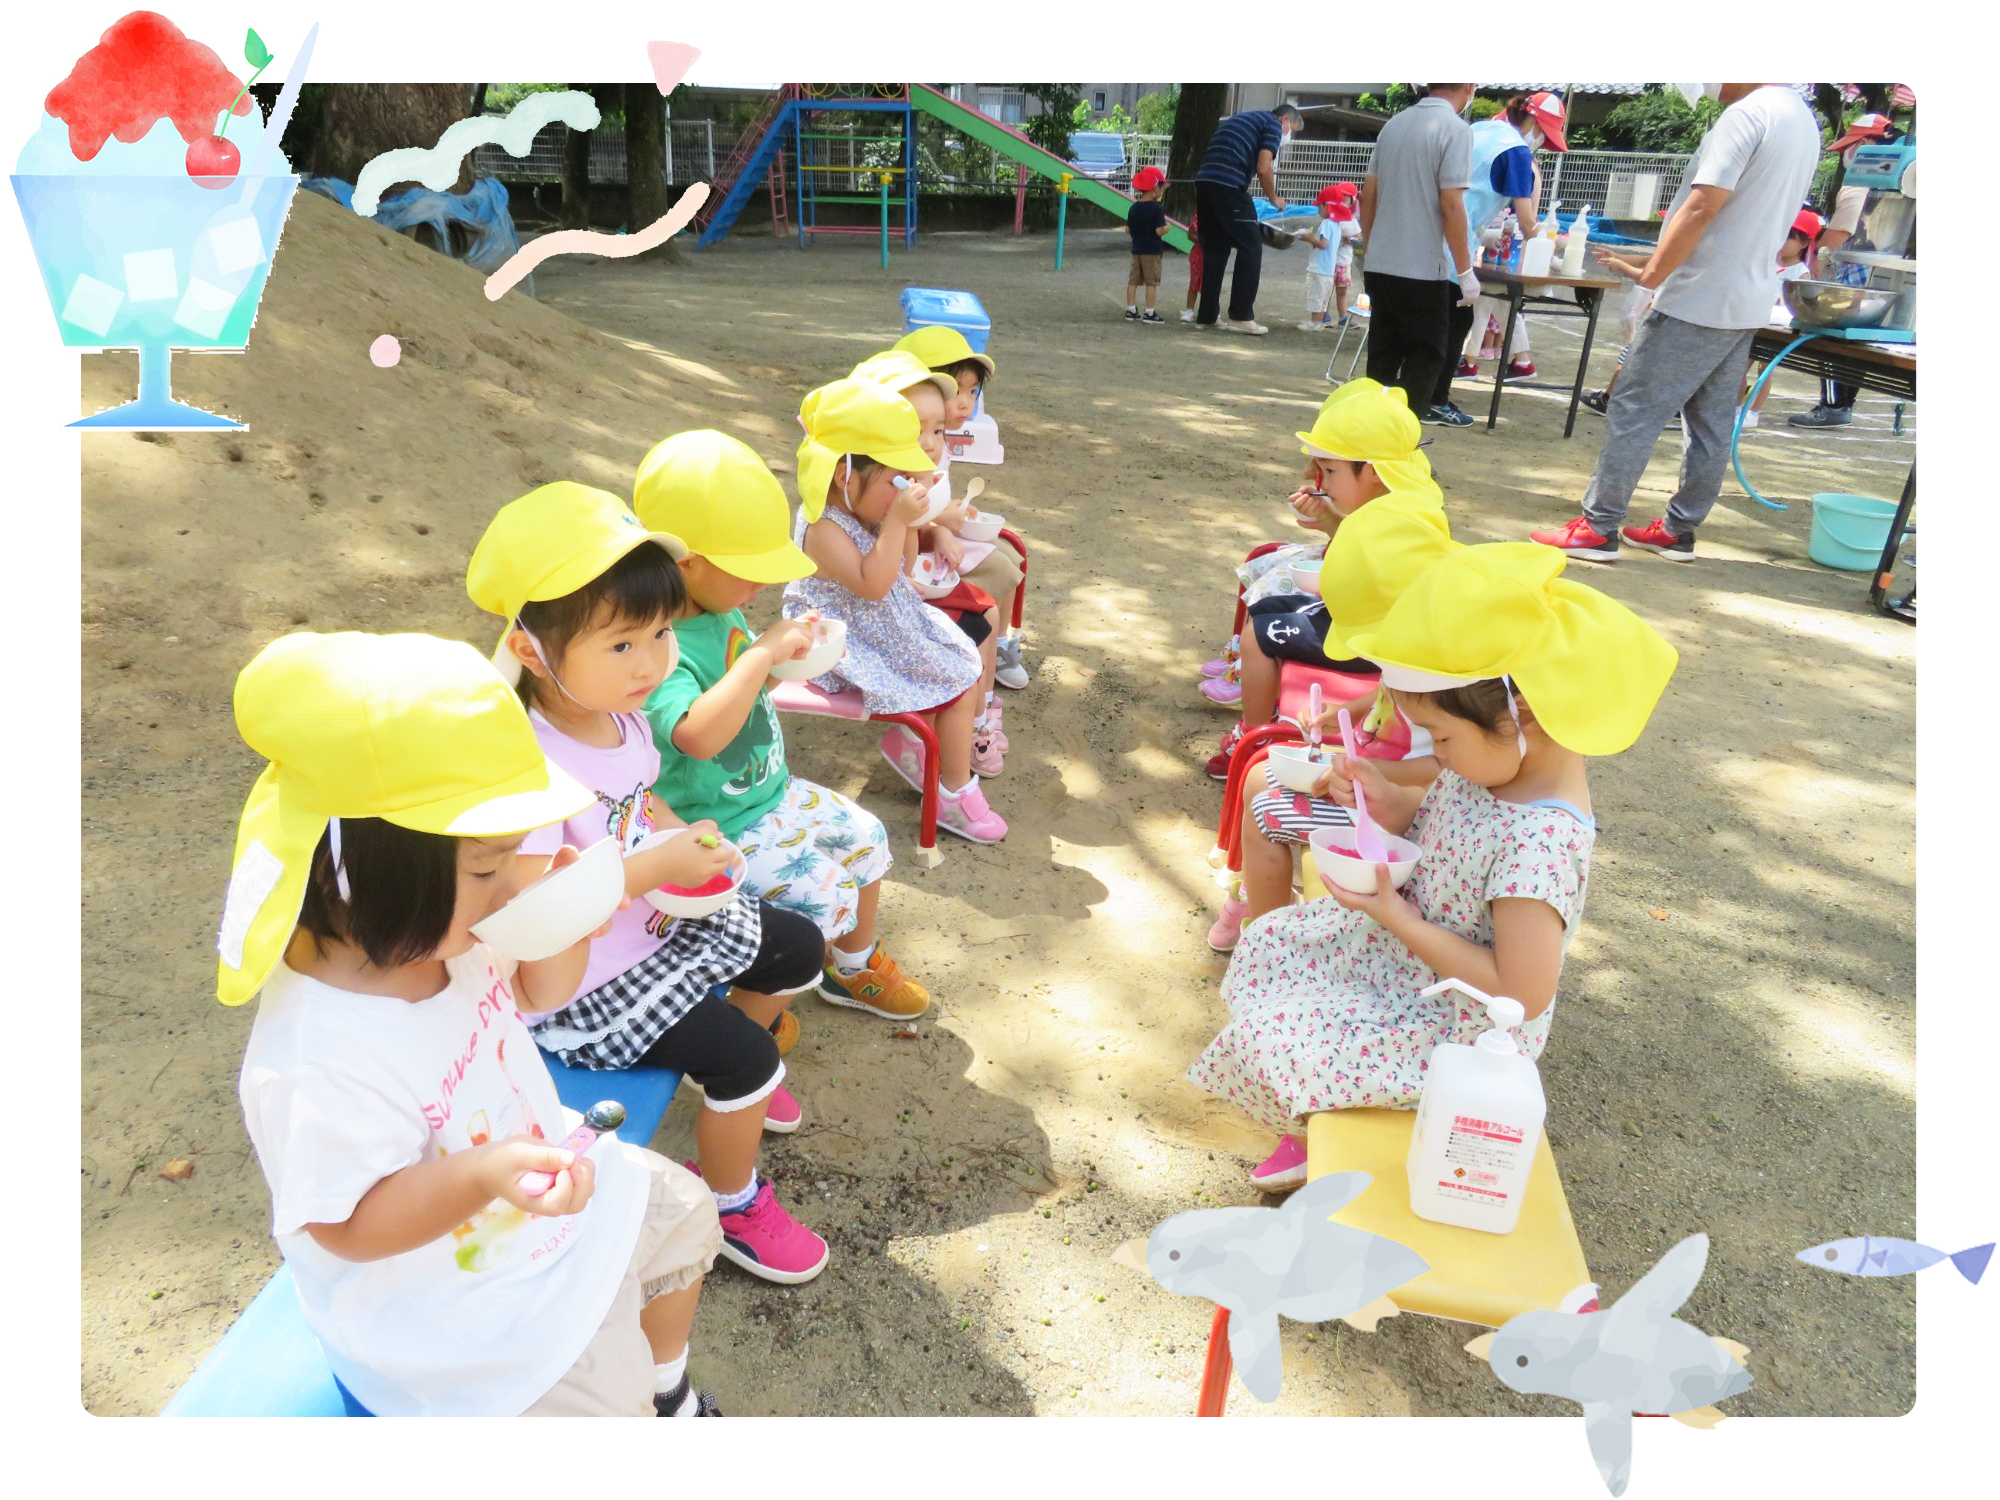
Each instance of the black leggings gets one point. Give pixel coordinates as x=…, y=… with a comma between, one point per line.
x=733, y=1058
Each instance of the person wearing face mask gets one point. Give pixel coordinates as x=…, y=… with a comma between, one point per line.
x=1711, y=279
x=1835, y=407
x=1419, y=264
x=1244, y=146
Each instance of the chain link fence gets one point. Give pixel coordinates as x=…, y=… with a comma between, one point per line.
x=693, y=153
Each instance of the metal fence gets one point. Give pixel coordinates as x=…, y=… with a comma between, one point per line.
x=693, y=153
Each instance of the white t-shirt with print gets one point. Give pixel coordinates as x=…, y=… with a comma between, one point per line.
x=1763, y=150
x=339, y=1091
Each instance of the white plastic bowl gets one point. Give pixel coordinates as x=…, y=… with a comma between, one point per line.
x=931, y=577
x=985, y=528
x=1296, y=768
x=561, y=908
x=676, y=905
x=822, y=658
x=1305, y=578
x=1333, y=852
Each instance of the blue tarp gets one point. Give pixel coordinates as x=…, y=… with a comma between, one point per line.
x=473, y=226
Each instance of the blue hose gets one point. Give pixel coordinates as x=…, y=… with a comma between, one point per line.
x=1736, y=434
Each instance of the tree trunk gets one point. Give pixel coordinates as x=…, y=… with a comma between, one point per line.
x=1195, y=119
x=647, y=196
x=362, y=120
x=610, y=98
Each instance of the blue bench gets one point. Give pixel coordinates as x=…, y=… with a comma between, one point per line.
x=270, y=1365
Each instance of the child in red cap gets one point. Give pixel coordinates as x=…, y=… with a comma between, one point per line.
x=1330, y=271
x=1145, y=222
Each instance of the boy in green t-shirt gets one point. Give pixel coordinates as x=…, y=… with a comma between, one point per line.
x=722, y=754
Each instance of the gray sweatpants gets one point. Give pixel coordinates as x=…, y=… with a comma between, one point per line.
x=1671, y=367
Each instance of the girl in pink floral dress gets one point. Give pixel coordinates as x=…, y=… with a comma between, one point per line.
x=1324, y=1002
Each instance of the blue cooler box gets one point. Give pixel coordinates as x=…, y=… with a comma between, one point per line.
x=929, y=307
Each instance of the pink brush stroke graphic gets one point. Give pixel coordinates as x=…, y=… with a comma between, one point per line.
x=670, y=60
x=584, y=241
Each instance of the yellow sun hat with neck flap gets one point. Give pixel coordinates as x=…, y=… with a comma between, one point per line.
x=850, y=418
x=1590, y=668
x=898, y=370
x=1367, y=422
x=417, y=731
x=1375, y=555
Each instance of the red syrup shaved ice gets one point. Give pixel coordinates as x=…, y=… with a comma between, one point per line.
x=714, y=887
x=142, y=70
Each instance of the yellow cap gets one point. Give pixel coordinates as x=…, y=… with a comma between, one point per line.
x=938, y=346
x=1375, y=555
x=547, y=545
x=715, y=494
x=408, y=728
x=1370, y=423
x=1591, y=669
x=851, y=417
x=898, y=369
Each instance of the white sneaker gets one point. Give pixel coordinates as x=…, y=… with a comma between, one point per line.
x=1308, y=327
x=1751, y=419
x=1235, y=327
x=1187, y=315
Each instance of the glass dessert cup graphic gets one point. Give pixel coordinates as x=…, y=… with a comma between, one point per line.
x=154, y=263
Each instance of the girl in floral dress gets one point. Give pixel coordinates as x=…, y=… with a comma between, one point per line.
x=1516, y=675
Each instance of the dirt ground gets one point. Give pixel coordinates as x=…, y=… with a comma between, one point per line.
x=1734, y=1049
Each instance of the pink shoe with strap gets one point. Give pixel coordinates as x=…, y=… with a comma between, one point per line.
x=1229, y=926
x=968, y=816
x=1284, y=1170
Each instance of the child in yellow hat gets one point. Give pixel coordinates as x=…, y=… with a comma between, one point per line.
x=722, y=752
x=994, y=567
x=394, y=1099
x=589, y=596
x=1517, y=675
x=1362, y=449
x=858, y=526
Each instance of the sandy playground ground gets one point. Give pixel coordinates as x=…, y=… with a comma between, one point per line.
x=1734, y=1047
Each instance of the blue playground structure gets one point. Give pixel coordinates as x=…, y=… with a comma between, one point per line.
x=817, y=121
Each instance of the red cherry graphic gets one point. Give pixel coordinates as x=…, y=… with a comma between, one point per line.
x=212, y=161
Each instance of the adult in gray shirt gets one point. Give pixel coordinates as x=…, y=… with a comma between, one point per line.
x=1714, y=271
x=1418, y=265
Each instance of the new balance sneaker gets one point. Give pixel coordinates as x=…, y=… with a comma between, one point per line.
x=1595, y=400
x=1131, y=314
x=1467, y=370
x=905, y=754
x=1520, y=369
x=684, y=1401
x=881, y=989
x=1823, y=416
x=1284, y=1170
x=985, y=754
x=1447, y=415
x=1218, y=763
x=968, y=816
x=1579, y=539
x=1229, y=924
x=1008, y=669
x=770, y=1244
x=1655, y=537
x=786, y=1032
x=781, y=1111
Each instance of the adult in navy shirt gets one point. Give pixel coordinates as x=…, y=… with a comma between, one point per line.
x=1244, y=146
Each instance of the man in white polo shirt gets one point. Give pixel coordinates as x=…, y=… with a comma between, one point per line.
x=1711, y=275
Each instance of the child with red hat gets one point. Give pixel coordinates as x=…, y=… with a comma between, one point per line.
x=1331, y=270
x=1145, y=222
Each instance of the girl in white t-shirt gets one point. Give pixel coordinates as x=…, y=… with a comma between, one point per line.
x=399, y=1109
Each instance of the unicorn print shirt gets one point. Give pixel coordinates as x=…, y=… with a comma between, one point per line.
x=341, y=1090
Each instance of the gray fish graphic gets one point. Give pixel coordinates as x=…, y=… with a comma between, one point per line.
x=1634, y=1356
x=1869, y=1256
x=1291, y=1260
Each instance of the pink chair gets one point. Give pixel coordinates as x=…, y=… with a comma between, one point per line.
x=804, y=698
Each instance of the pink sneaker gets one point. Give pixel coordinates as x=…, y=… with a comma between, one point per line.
x=986, y=753
x=968, y=816
x=1283, y=1171
x=781, y=1111
x=905, y=754
x=1231, y=654
x=996, y=725
x=1229, y=926
x=1225, y=691
x=770, y=1244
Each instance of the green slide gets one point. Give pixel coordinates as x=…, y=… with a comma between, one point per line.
x=1015, y=146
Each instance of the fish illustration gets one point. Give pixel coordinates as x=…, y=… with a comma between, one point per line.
x=1869, y=1256
x=1291, y=1260
x=1631, y=1357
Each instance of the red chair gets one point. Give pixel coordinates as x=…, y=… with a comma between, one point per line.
x=1020, y=594
x=804, y=698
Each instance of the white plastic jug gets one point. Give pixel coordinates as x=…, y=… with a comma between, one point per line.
x=1478, y=1125
x=1579, y=242
x=1540, y=251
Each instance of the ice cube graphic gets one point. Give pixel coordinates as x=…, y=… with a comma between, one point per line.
x=205, y=308
x=232, y=240
x=149, y=276
x=92, y=305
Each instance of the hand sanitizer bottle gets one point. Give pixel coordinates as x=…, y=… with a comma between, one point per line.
x=1478, y=1125
x=1579, y=241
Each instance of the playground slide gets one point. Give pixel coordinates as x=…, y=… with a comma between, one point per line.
x=1015, y=146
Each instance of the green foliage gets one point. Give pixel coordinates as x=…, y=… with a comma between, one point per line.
x=1399, y=98
x=1156, y=111
x=1117, y=121
x=1050, y=129
x=502, y=97
x=1659, y=120
x=1486, y=109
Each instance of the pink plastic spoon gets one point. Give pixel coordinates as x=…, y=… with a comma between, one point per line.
x=1367, y=841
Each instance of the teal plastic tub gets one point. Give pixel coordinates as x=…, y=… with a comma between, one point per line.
x=1850, y=531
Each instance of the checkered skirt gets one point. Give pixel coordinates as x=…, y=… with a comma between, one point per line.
x=617, y=1023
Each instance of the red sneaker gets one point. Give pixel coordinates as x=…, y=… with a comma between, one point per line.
x=1218, y=763
x=1520, y=369
x=1579, y=539
x=1655, y=537
x=1467, y=370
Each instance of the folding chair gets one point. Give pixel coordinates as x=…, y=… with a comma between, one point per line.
x=804, y=698
x=1357, y=323
x=270, y=1365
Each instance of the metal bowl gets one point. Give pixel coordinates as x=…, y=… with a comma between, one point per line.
x=1833, y=304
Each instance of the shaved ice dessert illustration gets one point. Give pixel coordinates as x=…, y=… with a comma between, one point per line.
x=154, y=194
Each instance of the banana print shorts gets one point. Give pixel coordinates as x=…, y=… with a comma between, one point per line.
x=813, y=853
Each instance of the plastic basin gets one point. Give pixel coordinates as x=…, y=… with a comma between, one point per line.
x=1850, y=531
